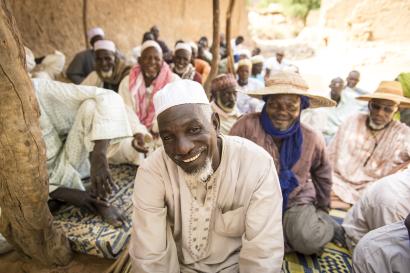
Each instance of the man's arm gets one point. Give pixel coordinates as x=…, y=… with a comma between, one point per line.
x=262, y=244
x=152, y=247
x=321, y=173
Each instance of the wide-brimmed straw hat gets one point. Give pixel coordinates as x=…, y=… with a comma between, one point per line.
x=292, y=84
x=388, y=90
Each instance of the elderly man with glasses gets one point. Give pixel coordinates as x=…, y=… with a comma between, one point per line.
x=368, y=147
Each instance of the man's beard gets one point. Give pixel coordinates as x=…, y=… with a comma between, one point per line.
x=376, y=127
x=106, y=74
x=225, y=108
x=202, y=174
x=180, y=70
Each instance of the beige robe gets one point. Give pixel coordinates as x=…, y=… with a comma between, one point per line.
x=227, y=119
x=237, y=229
x=359, y=158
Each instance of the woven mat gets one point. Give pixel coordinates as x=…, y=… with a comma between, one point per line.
x=88, y=233
x=333, y=260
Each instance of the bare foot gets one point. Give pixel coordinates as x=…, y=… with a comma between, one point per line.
x=111, y=215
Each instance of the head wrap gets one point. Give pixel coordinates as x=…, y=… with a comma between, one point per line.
x=290, y=152
x=94, y=32
x=177, y=93
x=243, y=62
x=105, y=44
x=223, y=82
x=257, y=59
x=184, y=46
x=151, y=43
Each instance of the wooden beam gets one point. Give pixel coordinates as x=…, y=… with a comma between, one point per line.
x=26, y=221
x=229, y=52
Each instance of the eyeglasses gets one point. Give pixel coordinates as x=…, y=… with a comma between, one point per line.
x=378, y=107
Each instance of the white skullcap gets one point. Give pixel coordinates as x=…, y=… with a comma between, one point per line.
x=177, y=93
x=184, y=46
x=257, y=59
x=94, y=32
x=151, y=43
x=104, y=44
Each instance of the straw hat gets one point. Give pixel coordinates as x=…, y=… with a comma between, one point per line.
x=293, y=84
x=388, y=90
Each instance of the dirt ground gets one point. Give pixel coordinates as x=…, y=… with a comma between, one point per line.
x=13, y=263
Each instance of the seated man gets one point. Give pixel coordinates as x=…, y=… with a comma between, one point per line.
x=201, y=66
x=84, y=62
x=257, y=68
x=81, y=127
x=182, y=63
x=300, y=156
x=223, y=89
x=204, y=202
x=144, y=81
x=247, y=84
x=386, y=249
x=368, y=147
x=109, y=69
x=385, y=202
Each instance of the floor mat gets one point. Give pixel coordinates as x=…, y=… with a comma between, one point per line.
x=333, y=260
x=88, y=233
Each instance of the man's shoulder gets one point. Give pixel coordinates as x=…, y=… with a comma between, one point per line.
x=311, y=136
x=243, y=149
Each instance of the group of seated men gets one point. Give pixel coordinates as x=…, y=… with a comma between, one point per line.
x=225, y=189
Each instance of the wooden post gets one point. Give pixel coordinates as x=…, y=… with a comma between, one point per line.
x=25, y=221
x=85, y=27
x=214, y=48
x=229, y=52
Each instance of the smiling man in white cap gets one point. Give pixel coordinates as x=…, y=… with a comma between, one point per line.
x=83, y=62
x=368, y=147
x=204, y=202
x=109, y=69
x=182, y=63
x=144, y=80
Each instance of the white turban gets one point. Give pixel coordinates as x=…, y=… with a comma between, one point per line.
x=104, y=44
x=177, y=93
x=257, y=59
x=94, y=32
x=184, y=46
x=151, y=43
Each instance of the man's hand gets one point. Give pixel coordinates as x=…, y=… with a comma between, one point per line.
x=78, y=198
x=101, y=180
x=138, y=143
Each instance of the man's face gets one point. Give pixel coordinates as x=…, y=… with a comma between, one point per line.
x=150, y=62
x=181, y=60
x=381, y=112
x=336, y=87
x=95, y=39
x=243, y=72
x=189, y=135
x=283, y=110
x=104, y=61
x=257, y=68
x=155, y=32
x=279, y=57
x=353, y=79
x=226, y=99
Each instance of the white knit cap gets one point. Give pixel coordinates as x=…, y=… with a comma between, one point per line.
x=257, y=59
x=94, y=32
x=104, y=44
x=184, y=46
x=151, y=43
x=177, y=93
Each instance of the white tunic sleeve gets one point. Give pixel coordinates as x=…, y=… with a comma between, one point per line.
x=262, y=244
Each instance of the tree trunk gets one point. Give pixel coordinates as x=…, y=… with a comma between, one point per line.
x=25, y=220
x=229, y=52
x=214, y=48
x=85, y=28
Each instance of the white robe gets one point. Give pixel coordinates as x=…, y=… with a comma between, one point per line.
x=237, y=229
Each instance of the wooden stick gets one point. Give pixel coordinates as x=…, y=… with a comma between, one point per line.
x=229, y=52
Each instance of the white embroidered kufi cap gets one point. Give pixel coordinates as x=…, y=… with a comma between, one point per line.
x=94, y=32
x=151, y=43
x=104, y=44
x=177, y=93
x=184, y=46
